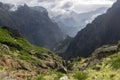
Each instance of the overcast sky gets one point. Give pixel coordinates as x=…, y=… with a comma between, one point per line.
x=62, y=6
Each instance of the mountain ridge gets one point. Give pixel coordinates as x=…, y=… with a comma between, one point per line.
x=97, y=33
x=34, y=25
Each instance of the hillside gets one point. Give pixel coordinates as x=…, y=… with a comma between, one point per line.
x=104, y=64
x=21, y=60
x=33, y=23
x=63, y=45
x=105, y=29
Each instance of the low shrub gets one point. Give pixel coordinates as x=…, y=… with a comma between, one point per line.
x=80, y=76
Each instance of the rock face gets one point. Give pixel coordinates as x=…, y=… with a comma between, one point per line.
x=34, y=24
x=105, y=29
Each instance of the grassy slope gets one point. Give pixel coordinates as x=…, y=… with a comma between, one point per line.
x=107, y=68
x=22, y=60
x=23, y=45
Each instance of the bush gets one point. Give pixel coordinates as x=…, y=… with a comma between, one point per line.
x=115, y=62
x=80, y=76
x=1, y=68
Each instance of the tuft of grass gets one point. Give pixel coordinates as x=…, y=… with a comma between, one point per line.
x=1, y=68
x=115, y=61
x=80, y=76
x=41, y=77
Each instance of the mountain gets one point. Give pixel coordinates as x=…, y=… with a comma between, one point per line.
x=20, y=60
x=34, y=24
x=72, y=22
x=105, y=29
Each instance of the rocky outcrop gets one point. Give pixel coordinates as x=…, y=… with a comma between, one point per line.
x=105, y=51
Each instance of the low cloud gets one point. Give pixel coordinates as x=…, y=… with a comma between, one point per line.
x=56, y=7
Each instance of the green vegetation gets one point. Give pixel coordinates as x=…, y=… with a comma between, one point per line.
x=104, y=64
x=59, y=75
x=20, y=58
x=22, y=46
x=40, y=78
x=1, y=68
x=80, y=76
x=115, y=61
x=51, y=76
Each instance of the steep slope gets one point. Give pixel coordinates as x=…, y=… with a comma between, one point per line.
x=105, y=29
x=62, y=46
x=34, y=24
x=104, y=64
x=20, y=60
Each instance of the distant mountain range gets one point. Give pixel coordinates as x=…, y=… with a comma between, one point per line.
x=105, y=29
x=33, y=23
x=72, y=22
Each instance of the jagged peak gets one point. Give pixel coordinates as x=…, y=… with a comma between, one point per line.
x=23, y=7
x=6, y=6
x=39, y=8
